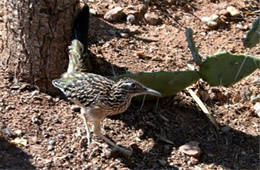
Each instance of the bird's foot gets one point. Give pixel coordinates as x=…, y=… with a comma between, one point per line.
x=89, y=139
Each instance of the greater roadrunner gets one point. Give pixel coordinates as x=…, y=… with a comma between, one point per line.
x=97, y=96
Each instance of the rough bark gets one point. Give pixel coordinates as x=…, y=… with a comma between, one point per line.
x=34, y=38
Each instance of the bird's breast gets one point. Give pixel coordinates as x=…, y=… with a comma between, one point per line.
x=117, y=107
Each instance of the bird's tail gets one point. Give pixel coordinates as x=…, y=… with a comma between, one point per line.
x=78, y=47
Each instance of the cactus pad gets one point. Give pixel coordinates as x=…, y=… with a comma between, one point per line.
x=167, y=83
x=226, y=69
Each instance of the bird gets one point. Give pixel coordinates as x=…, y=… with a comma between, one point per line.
x=96, y=95
x=99, y=97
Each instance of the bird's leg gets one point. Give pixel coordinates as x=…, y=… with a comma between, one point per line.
x=86, y=126
x=97, y=130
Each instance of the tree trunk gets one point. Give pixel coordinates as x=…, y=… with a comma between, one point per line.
x=34, y=37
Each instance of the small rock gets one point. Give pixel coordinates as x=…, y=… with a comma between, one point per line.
x=142, y=9
x=233, y=11
x=131, y=19
x=15, y=87
x=203, y=94
x=8, y=132
x=255, y=99
x=20, y=142
x=130, y=10
x=193, y=161
x=50, y=147
x=203, y=33
x=224, y=12
x=57, y=99
x=114, y=14
x=257, y=80
x=212, y=22
x=157, y=58
x=18, y=132
x=152, y=18
x=34, y=93
x=191, y=148
x=236, y=98
x=241, y=27
x=226, y=129
x=36, y=120
x=257, y=108
x=92, y=11
x=51, y=142
x=245, y=93
x=34, y=139
x=142, y=55
x=124, y=35
x=162, y=162
x=75, y=108
x=49, y=98
x=137, y=11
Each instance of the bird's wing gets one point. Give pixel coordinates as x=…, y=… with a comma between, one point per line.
x=87, y=88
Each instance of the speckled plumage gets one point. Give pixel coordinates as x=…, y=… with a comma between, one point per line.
x=92, y=90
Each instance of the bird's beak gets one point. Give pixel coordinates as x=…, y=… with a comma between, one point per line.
x=153, y=92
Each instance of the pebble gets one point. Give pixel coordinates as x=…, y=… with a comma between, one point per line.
x=8, y=132
x=257, y=109
x=18, y=132
x=114, y=14
x=212, y=22
x=224, y=12
x=241, y=27
x=36, y=120
x=92, y=11
x=75, y=108
x=20, y=142
x=130, y=10
x=191, y=148
x=131, y=19
x=124, y=35
x=50, y=147
x=255, y=99
x=226, y=129
x=193, y=161
x=234, y=12
x=152, y=18
x=162, y=162
x=51, y=142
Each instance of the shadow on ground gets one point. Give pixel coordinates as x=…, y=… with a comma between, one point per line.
x=232, y=149
x=12, y=157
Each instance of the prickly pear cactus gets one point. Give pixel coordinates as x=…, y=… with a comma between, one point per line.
x=167, y=83
x=253, y=36
x=226, y=69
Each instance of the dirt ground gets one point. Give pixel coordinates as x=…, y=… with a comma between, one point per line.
x=50, y=135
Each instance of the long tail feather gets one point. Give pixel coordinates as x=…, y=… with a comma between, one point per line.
x=78, y=47
x=81, y=24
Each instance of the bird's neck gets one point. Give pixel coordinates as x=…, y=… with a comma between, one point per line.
x=120, y=100
x=118, y=94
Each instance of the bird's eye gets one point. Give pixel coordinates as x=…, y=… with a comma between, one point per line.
x=133, y=85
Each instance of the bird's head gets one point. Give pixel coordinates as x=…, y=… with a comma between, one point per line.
x=135, y=88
